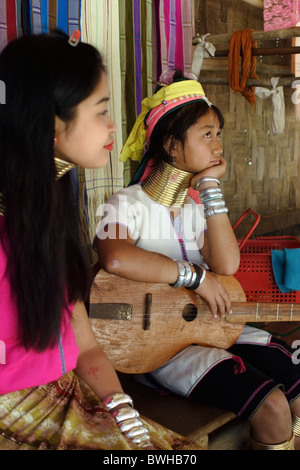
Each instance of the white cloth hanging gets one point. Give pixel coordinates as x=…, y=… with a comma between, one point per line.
x=100, y=27
x=202, y=50
x=278, y=121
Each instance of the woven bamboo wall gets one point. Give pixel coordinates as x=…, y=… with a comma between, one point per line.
x=263, y=168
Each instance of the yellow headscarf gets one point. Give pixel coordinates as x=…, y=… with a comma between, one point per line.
x=134, y=146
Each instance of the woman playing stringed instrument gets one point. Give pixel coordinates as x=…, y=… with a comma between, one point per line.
x=156, y=230
x=58, y=390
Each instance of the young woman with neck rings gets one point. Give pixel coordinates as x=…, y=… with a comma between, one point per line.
x=177, y=139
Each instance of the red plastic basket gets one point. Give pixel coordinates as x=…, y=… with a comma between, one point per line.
x=255, y=273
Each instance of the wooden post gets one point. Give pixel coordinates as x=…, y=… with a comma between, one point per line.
x=283, y=81
x=256, y=36
x=255, y=3
x=264, y=51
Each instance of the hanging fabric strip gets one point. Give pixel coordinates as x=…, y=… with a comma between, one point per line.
x=10, y=21
x=3, y=25
x=25, y=15
x=143, y=28
x=164, y=32
x=187, y=34
x=62, y=15
x=156, y=45
x=45, y=15
x=123, y=45
x=52, y=14
x=100, y=27
x=179, y=51
x=128, y=68
x=171, y=43
x=36, y=16
x=19, y=18
x=149, y=46
x=73, y=15
x=137, y=54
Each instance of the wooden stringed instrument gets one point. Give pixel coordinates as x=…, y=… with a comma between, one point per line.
x=141, y=326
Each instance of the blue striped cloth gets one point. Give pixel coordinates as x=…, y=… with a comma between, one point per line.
x=46, y=15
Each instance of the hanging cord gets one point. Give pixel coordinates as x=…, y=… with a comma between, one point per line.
x=242, y=41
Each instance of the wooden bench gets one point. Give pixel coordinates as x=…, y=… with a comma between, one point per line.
x=184, y=416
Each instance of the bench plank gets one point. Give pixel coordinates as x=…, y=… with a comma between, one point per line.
x=184, y=416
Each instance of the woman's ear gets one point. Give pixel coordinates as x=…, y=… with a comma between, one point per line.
x=59, y=126
x=170, y=146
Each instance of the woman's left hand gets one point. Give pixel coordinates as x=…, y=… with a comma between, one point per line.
x=216, y=171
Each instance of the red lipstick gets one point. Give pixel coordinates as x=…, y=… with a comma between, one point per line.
x=110, y=146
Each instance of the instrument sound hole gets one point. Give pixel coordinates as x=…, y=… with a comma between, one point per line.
x=189, y=312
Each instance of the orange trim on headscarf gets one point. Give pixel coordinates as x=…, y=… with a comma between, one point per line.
x=242, y=41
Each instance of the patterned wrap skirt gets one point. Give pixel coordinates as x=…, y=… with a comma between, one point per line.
x=67, y=415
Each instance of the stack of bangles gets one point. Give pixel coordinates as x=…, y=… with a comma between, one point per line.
x=212, y=198
x=187, y=278
x=127, y=418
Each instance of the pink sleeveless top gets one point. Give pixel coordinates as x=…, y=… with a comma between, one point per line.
x=20, y=368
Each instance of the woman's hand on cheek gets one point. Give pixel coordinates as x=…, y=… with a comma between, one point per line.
x=216, y=171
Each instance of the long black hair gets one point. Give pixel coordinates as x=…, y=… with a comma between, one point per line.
x=44, y=77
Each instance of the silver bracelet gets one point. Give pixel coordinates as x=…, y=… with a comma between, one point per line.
x=181, y=275
x=215, y=203
x=203, y=275
x=198, y=279
x=128, y=419
x=209, y=191
x=217, y=197
x=129, y=422
x=193, y=280
x=212, y=199
x=188, y=273
x=214, y=211
x=184, y=274
x=206, y=179
x=117, y=399
x=125, y=413
x=209, y=194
